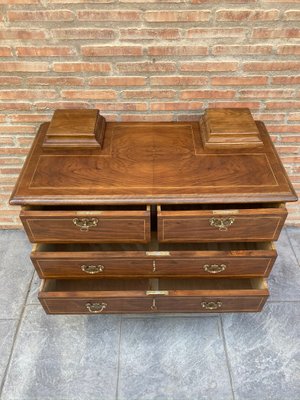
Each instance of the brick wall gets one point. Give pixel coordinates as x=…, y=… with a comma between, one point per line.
x=139, y=60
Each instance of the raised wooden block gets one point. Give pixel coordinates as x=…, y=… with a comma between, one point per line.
x=75, y=128
x=229, y=127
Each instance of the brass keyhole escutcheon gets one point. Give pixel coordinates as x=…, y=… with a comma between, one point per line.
x=92, y=269
x=214, y=268
x=84, y=224
x=221, y=223
x=96, y=308
x=211, y=305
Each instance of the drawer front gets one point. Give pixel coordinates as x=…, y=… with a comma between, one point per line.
x=153, y=305
x=211, y=304
x=92, y=268
x=215, y=267
x=87, y=226
x=230, y=263
x=214, y=226
x=152, y=296
x=96, y=306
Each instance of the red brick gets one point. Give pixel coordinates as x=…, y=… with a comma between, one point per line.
x=177, y=50
x=147, y=117
x=54, y=81
x=292, y=15
x=207, y=94
x=235, y=104
x=239, y=81
x=149, y=34
x=47, y=105
x=117, y=81
x=241, y=50
x=200, y=33
x=185, y=106
x=177, y=16
x=120, y=106
x=7, y=141
x=10, y=80
x=149, y=94
x=178, y=80
x=88, y=94
x=5, y=51
x=272, y=66
x=294, y=116
x=30, y=117
x=17, y=129
x=21, y=34
x=109, y=51
x=20, y=2
x=15, y=106
x=282, y=105
x=81, y=67
x=50, y=15
x=271, y=93
x=45, y=51
x=289, y=49
x=27, y=94
x=146, y=67
x=269, y=33
x=208, y=66
x=286, y=80
x=247, y=15
x=19, y=66
x=83, y=34
x=109, y=15
x=269, y=117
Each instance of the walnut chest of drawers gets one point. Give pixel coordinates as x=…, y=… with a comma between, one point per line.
x=153, y=217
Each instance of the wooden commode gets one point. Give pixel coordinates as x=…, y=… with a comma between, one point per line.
x=143, y=217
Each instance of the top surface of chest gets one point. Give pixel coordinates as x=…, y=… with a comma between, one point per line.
x=153, y=163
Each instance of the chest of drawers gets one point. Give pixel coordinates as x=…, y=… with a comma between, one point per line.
x=153, y=217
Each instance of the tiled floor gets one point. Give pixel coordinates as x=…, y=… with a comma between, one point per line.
x=195, y=357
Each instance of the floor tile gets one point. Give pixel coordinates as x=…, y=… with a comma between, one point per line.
x=294, y=236
x=172, y=359
x=15, y=272
x=284, y=280
x=7, y=332
x=64, y=358
x=264, y=352
x=34, y=290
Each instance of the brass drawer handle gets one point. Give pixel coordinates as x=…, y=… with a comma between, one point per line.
x=153, y=306
x=92, y=269
x=96, y=307
x=214, y=268
x=85, y=223
x=221, y=223
x=211, y=305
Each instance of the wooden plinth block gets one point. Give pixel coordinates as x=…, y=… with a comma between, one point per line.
x=229, y=128
x=75, y=128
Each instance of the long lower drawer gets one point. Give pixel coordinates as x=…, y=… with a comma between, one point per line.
x=199, y=260
x=152, y=295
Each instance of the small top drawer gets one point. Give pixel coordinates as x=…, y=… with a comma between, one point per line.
x=92, y=225
x=201, y=223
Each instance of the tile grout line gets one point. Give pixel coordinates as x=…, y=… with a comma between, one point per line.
x=20, y=319
x=227, y=357
x=291, y=245
x=119, y=357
